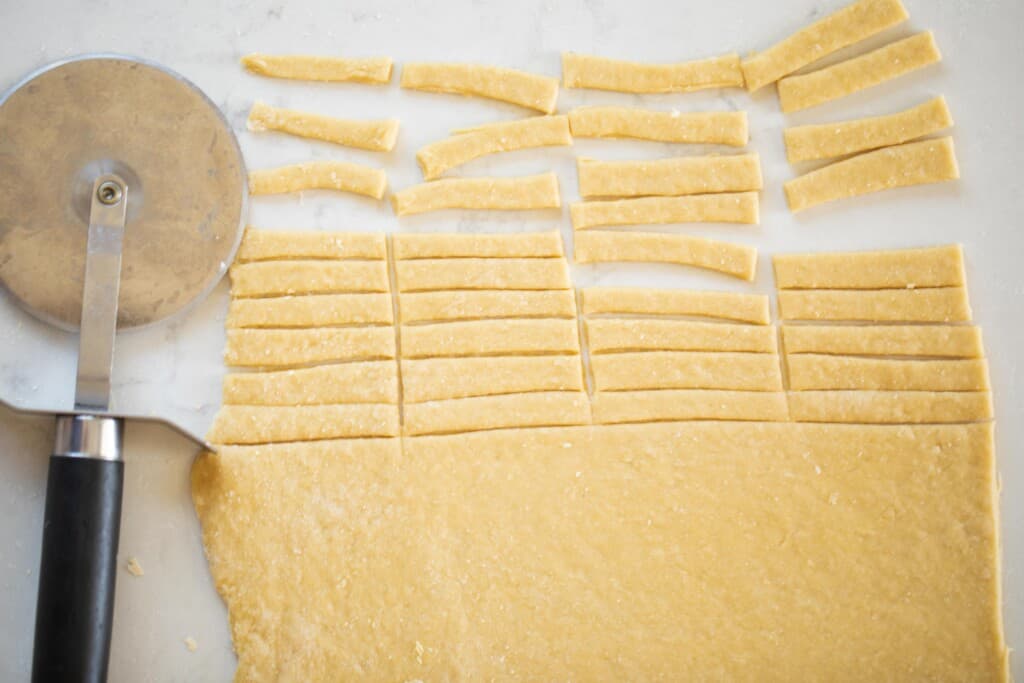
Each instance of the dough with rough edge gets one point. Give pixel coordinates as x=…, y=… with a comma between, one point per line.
x=494, y=82
x=666, y=405
x=276, y=278
x=310, y=68
x=268, y=424
x=415, y=307
x=601, y=73
x=669, y=177
x=890, y=407
x=312, y=310
x=598, y=246
x=376, y=136
x=482, y=273
x=268, y=245
x=749, y=308
x=275, y=348
x=819, y=371
x=477, y=245
x=623, y=334
x=490, y=337
x=538, y=409
x=369, y=382
x=501, y=194
x=702, y=127
x=952, y=341
x=726, y=207
x=941, y=266
x=930, y=304
x=319, y=175
x=432, y=379
x=686, y=370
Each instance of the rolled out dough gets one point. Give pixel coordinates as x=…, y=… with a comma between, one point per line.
x=369, y=382
x=726, y=207
x=897, y=268
x=750, y=308
x=929, y=304
x=505, y=194
x=619, y=334
x=464, y=245
x=267, y=424
x=319, y=175
x=704, y=127
x=890, y=406
x=267, y=245
x=481, y=304
x=314, y=310
x=432, y=379
x=274, y=278
x=669, y=177
x=275, y=348
x=482, y=273
x=601, y=73
x=538, y=409
x=376, y=136
x=951, y=341
x=490, y=338
x=598, y=246
x=686, y=370
x=816, y=371
x=665, y=405
x=493, y=82
x=310, y=68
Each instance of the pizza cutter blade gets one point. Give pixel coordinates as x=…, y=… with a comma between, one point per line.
x=122, y=200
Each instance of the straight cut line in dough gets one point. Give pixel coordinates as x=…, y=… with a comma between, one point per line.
x=414, y=307
x=474, y=245
x=319, y=175
x=605, y=335
x=705, y=127
x=271, y=278
x=504, y=136
x=814, y=371
x=599, y=246
x=828, y=140
x=490, y=337
x=890, y=407
x=941, y=266
x=277, y=348
x=369, y=382
x=376, y=136
x=310, y=68
x=432, y=379
x=482, y=273
x=540, y=409
x=507, y=194
x=923, y=305
x=669, y=177
x=749, y=308
x=493, y=82
x=269, y=424
x=686, y=370
x=317, y=310
x=845, y=78
x=268, y=245
x=728, y=207
x=849, y=25
x=601, y=73
x=950, y=341
x=612, y=407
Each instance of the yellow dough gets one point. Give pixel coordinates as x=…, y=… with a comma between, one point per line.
x=896, y=268
x=271, y=278
x=310, y=68
x=497, y=83
x=952, y=341
x=842, y=79
x=370, y=382
x=827, y=140
x=432, y=379
x=890, y=406
x=538, y=409
x=476, y=245
x=601, y=73
x=507, y=194
x=490, y=337
x=504, y=136
x=482, y=273
x=376, y=136
x=673, y=176
x=599, y=246
x=616, y=334
x=416, y=307
x=750, y=308
x=267, y=424
x=935, y=305
x=268, y=245
x=710, y=127
x=726, y=207
x=310, y=311
x=686, y=370
x=275, y=348
x=319, y=175
x=849, y=25
x=664, y=405
x=815, y=371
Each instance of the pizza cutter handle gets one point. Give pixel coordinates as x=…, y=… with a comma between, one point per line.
x=74, y=609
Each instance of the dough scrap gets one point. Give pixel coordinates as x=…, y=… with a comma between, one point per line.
x=538, y=409
x=315, y=310
x=850, y=25
x=490, y=338
x=666, y=405
x=686, y=370
x=310, y=68
x=414, y=307
x=890, y=407
x=601, y=73
x=671, y=177
x=504, y=136
x=319, y=175
x=926, y=304
x=274, y=348
x=268, y=245
x=369, y=382
x=870, y=69
x=749, y=308
x=828, y=140
x=738, y=260
x=476, y=245
x=376, y=136
x=705, y=127
x=950, y=341
x=941, y=266
x=268, y=424
x=497, y=83
x=505, y=194
x=432, y=379
x=482, y=273
x=727, y=207
x=817, y=371
x=622, y=334
x=274, y=278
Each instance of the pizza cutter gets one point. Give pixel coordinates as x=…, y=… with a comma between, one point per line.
x=122, y=200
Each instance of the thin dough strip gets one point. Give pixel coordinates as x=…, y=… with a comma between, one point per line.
x=317, y=310
x=711, y=127
x=815, y=371
x=669, y=177
x=598, y=246
x=473, y=245
x=686, y=370
x=493, y=82
x=940, y=341
x=490, y=337
x=749, y=308
x=923, y=305
x=369, y=382
x=506, y=194
x=376, y=136
x=867, y=70
x=309, y=68
x=734, y=207
x=941, y=266
x=540, y=409
x=890, y=407
x=282, y=348
x=601, y=73
x=432, y=379
x=422, y=275
x=268, y=245
x=415, y=307
x=319, y=175
x=610, y=335
x=614, y=407
x=272, y=278
x=270, y=424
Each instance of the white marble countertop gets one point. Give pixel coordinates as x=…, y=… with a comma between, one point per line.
x=175, y=370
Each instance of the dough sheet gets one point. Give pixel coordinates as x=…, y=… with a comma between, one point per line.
x=749, y=308
x=941, y=266
x=726, y=207
x=669, y=177
x=268, y=424
x=623, y=334
x=432, y=379
x=893, y=407
x=311, y=68
x=275, y=348
x=704, y=127
x=665, y=405
x=507, y=194
x=538, y=409
x=686, y=370
x=490, y=338
x=416, y=307
x=319, y=175
x=368, y=382
x=268, y=245
x=274, y=278
x=598, y=246
x=601, y=73
x=951, y=341
x=818, y=371
x=928, y=304
x=376, y=136
x=315, y=310
x=477, y=245
x=482, y=273
x=497, y=83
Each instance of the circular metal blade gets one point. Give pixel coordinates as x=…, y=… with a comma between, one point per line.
x=68, y=123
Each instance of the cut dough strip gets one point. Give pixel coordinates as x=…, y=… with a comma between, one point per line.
x=269, y=424
x=949, y=341
x=612, y=407
x=278, y=348
x=370, y=382
x=541, y=409
x=490, y=337
x=473, y=245
x=606, y=335
x=310, y=68
x=598, y=246
x=321, y=310
x=376, y=136
x=813, y=371
x=319, y=175
x=890, y=407
x=735, y=207
x=601, y=73
x=268, y=245
x=896, y=268
x=845, y=78
x=750, y=308
x=493, y=82
x=417, y=307
x=827, y=140
x=711, y=128
x=507, y=194
x=686, y=370
x=925, y=305
x=505, y=136
x=271, y=278
x=432, y=379
x=849, y=25
x=482, y=273
x=675, y=176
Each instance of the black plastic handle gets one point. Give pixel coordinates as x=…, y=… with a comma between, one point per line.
x=74, y=612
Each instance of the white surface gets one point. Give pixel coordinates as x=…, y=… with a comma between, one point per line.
x=175, y=370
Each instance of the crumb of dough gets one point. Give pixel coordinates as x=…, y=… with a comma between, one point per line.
x=133, y=567
x=191, y=644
